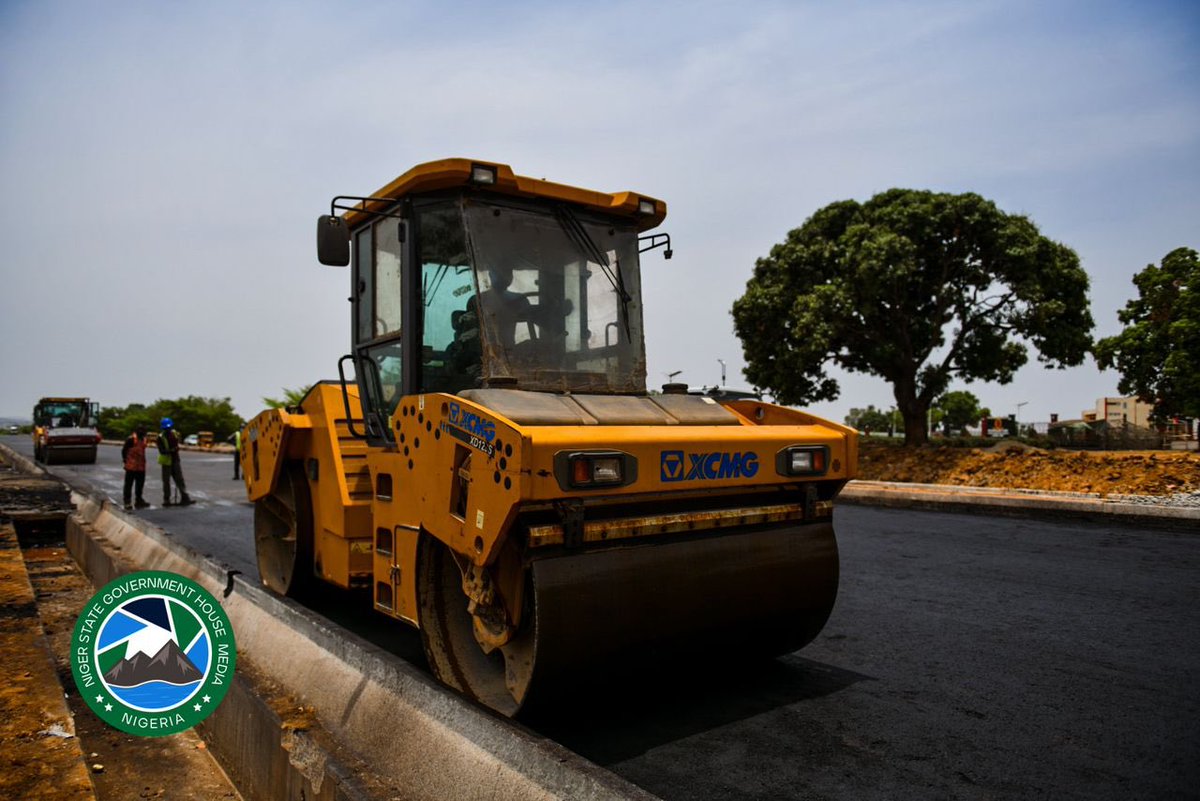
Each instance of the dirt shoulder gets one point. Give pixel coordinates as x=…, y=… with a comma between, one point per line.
x=40, y=754
x=1017, y=466
x=51, y=745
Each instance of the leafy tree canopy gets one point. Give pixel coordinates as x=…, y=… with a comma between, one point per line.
x=916, y=287
x=190, y=415
x=1158, y=353
x=960, y=409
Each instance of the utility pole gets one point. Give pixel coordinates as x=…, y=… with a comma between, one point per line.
x=722, y=362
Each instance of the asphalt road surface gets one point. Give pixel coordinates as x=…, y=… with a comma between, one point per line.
x=968, y=657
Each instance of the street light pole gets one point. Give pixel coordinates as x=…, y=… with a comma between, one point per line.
x=722, y=363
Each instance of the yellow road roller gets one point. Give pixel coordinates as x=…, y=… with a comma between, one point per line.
x=490, y=468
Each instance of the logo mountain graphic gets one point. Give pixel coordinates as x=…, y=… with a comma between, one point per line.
x=169, y=665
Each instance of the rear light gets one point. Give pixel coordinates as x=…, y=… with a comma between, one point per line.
x=646, y=206
x=594, y=469
x=802, y=460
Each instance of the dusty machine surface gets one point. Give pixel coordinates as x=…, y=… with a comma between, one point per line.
x=495, y=471
x=64, y=430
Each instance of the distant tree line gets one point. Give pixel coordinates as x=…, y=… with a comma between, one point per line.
x=190, y=415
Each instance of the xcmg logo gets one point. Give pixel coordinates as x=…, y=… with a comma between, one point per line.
x=472, y=423
x=680, y=466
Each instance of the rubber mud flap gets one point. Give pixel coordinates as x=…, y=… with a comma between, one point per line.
x=733, y=596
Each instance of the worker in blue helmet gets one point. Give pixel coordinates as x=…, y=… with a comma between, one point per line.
x=168, y=457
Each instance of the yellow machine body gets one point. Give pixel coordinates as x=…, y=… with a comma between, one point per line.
x=532, y=533
x=370, y=505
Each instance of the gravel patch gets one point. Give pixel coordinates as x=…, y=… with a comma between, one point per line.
x=1183, y=500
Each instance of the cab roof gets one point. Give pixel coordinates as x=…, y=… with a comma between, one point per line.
x=448, y=173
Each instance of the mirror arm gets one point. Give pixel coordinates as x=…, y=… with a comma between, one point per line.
x=656, y=241
x=361, y=206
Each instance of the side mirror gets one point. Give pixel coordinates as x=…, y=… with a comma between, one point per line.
x=333, y=241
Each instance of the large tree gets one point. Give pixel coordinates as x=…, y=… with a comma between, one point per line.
x=916, y=287
x=1158, y=353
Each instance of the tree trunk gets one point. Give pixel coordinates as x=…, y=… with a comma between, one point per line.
x=914, y=412
x=916, y=426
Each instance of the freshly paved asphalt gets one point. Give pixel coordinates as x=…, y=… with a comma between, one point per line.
x=968, y=657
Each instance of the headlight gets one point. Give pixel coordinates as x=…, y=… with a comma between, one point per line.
x=483, y=174
x=587, y=469
x=802, y=460
x=594, y=469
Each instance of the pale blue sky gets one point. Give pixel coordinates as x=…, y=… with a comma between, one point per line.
x=163, y=164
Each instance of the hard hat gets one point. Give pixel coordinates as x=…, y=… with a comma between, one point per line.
x=167, y=423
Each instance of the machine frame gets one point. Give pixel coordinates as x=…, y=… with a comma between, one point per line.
x=496, y=519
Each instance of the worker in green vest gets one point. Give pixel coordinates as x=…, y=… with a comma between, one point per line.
x=236, y=439
x=168, y=457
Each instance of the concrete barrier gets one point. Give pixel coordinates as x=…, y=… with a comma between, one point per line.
x=381, y=721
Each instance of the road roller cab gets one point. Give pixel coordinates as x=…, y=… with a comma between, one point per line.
x=495, y=471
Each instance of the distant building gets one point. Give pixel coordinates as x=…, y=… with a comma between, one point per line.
x=1120, y=412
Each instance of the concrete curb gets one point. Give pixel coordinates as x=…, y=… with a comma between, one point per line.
x=1018, y=502
x=386, y=730
x=249, y=740
x=23, y=462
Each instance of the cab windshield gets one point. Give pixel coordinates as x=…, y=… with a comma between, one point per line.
x=62, y=414
x=533, y=297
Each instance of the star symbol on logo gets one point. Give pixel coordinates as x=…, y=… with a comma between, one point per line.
x=99, y=699
x=207, y=698
x=108, y=707
x=196, y=707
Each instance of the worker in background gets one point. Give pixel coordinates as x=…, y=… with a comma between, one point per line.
x=168, y=457
x=236, y=439
x=133, y=453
